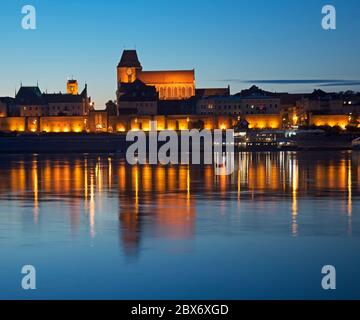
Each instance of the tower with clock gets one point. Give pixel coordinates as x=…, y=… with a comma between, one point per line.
x=169, y=84
x=128, y=67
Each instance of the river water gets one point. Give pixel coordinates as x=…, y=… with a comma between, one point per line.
x=95, y=227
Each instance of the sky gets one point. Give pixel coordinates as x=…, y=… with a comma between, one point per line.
x=278, y=45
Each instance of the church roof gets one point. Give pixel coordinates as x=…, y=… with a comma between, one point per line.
x=129, y=58
x=62, y=98
x=7, y=100
x=29, y=95
x=254, y=92
x=168, y=76
x=33, y=96
x=211, y=92
x=84, y=93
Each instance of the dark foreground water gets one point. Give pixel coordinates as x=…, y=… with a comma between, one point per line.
x=94, y=227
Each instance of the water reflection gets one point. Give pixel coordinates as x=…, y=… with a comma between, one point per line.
x=165, y=201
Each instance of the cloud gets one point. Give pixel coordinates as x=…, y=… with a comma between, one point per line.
x=339, y=84
x=319, y=82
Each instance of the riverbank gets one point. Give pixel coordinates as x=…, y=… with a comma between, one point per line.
x=116, y=143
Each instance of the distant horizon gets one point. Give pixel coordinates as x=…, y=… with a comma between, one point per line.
x=257, y=83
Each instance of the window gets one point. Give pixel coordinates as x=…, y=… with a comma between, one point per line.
x=189, y=91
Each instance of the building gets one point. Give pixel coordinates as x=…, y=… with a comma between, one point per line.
x=98, y=121
x=31, y=102
x=246, y=102
x=170, y=84
x=69, y=104
x=172, y=100
x=138, y=98
x=351, y=102
x=320, y=102
x=72, y=87
x=6, y=105
x=212, y=92
x=158, y=92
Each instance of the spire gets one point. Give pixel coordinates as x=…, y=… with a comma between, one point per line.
x=129, y=59
x=84, y=92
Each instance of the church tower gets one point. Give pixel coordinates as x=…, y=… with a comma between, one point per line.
x=72, y=87
x=128, y=67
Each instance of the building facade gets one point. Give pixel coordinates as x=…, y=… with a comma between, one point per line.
x=7, y=104
x=31, y=102
x=320, y=102
x=238, y=105
x=138, y=98
x=170, y=85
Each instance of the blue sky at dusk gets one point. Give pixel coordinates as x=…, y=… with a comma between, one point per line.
x=231, y=42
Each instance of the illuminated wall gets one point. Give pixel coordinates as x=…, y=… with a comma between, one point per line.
x=224, y=122
x=118, y=124
x=32, y=124
x=140, y=123
x=264, y=121
x=208, y=122
x=3, y=109
x=72, y=87
x=124, y=123
x=62, y=124
x=161, y=122
x=99, y=121
x=171, y=85
x=330, y=120
x=127, y=74
x=12, y=124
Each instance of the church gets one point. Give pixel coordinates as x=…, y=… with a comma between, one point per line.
x=170, y=85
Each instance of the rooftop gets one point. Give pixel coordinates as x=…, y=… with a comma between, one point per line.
x=29, y=95
x=129, y=58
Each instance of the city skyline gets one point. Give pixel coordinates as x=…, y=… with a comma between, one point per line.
x=180, y=150
x=85, y=44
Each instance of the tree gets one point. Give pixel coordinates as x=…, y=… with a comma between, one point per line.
x=111, y=108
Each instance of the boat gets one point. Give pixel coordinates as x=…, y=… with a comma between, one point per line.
x=356, y=144
x=264, y=140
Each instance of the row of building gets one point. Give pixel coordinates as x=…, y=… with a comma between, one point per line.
x=31, y=102
x=172, y=99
